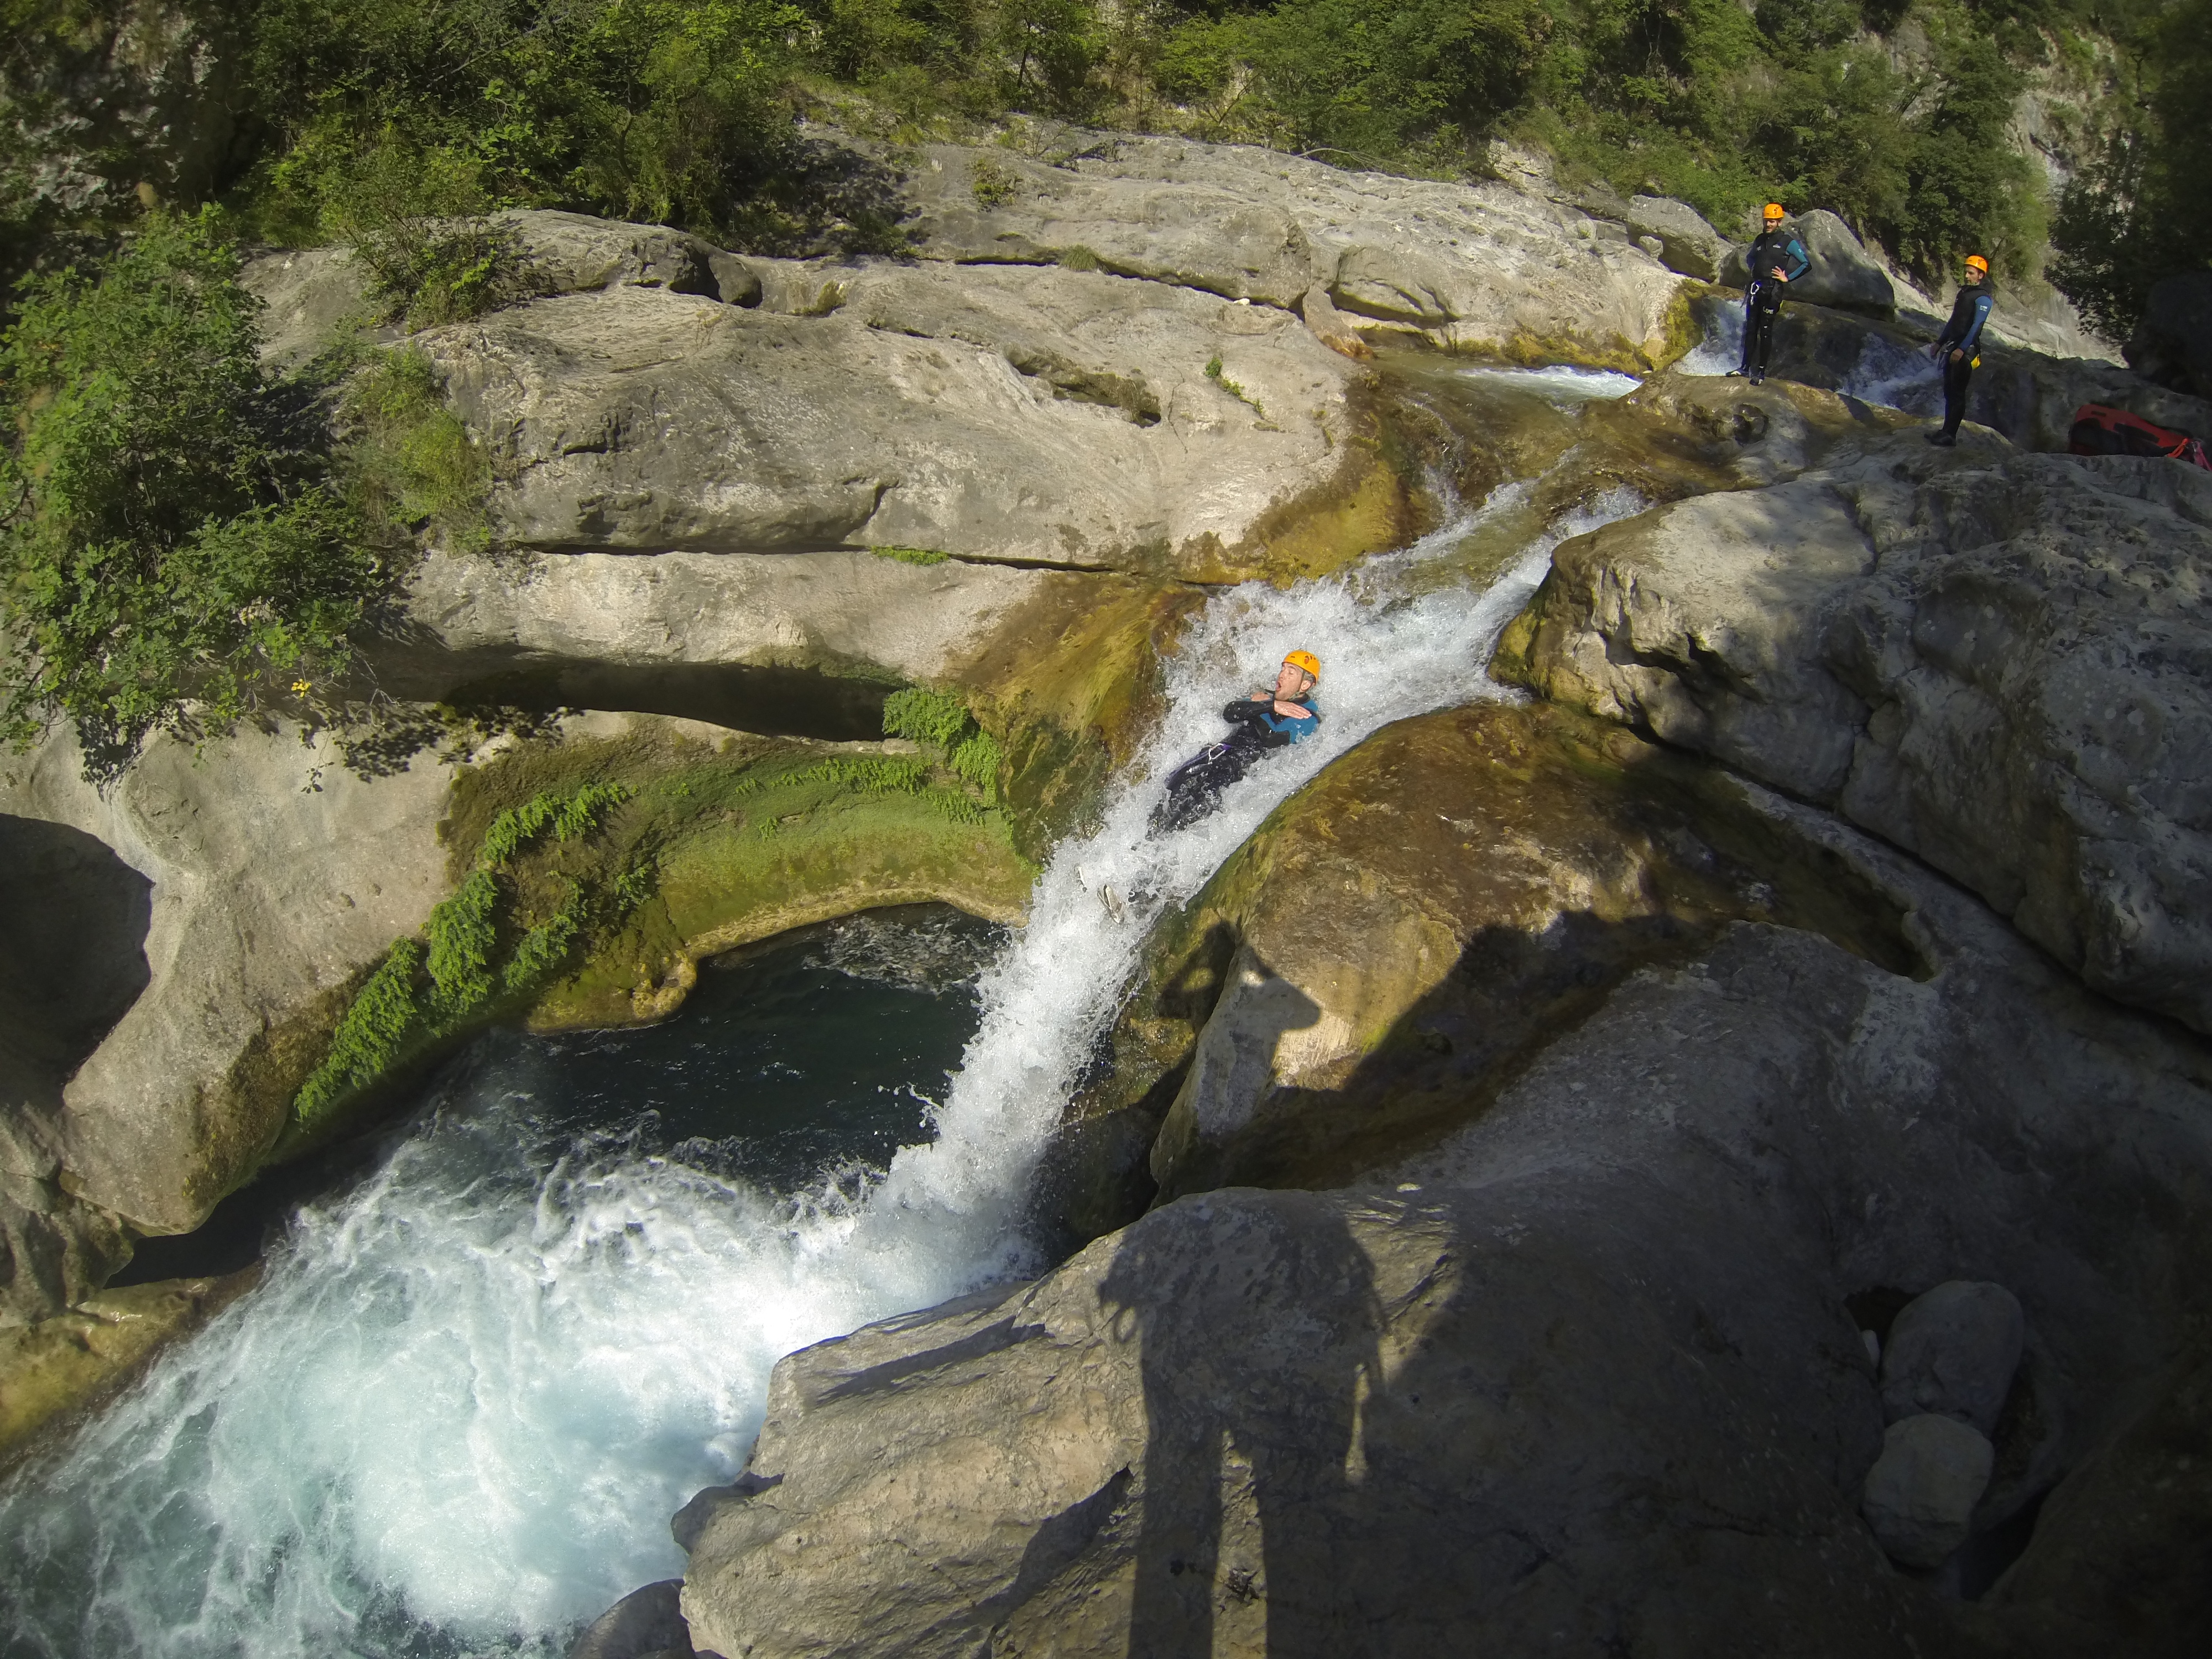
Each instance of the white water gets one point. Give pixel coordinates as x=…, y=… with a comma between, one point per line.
x=457, y=1414
x=1559, y=384
x=1721, y=349
x=1897, y=376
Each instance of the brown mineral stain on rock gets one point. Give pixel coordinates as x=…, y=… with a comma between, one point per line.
x=52, y=1371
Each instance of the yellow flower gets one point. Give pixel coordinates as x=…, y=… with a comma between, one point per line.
x=301, y=686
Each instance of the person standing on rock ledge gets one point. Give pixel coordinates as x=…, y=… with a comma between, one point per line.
x=1958, y=347
x=1777, y=259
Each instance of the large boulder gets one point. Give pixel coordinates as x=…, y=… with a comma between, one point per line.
x=1997, y=662
x=1844, y=273
x=1922, y=1491
x=218, y=909
x=1306, y=1424
x=2173, y=344
x=1953, y=1350
x=1055, y=417
x=1688, y=243
x=1404, y=932
x=1490, y=267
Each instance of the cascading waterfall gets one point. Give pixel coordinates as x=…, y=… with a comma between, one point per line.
x=1897, y=376
x=455, y=1415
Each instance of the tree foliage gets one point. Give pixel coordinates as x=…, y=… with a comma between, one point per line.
x=175, y=546
x=2143, y=210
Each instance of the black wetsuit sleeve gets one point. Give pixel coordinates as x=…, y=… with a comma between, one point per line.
x=1243, y=712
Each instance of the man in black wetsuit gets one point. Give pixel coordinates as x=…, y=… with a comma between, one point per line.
x=1958, y=347
x=1777, y=259
x=1264, y=720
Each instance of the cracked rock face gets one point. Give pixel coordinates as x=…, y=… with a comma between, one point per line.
x=1485, y=268
x=2001, y=665
x=1057, y=417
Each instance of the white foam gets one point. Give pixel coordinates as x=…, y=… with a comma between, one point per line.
x=469, y=1396
x=1899, y=376
x=1721, y=349
x=1559, y=384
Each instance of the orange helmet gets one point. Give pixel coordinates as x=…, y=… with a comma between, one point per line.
x=1306, y=660
x=1978, y=262
x=1774, y=211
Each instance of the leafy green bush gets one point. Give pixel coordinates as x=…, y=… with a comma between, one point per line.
x=393, y=115
x=411, y=465
x=546, y=946
x=924, y=716
x=394, y=1014
x=175, y=549
x=2142, y=211
x=991, y=183
x=570, y=816
x=461, y=941
x=978, y=759
x=371, y=1035
x=944, y=722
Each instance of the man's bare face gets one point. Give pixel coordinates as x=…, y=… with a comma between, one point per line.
x=1291, y=683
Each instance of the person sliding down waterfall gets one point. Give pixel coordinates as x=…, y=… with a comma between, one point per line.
x=1777, y=259
x=1264, y=720
x=1958, y=347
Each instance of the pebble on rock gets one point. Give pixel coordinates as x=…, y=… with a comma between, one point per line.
x=1920, y=1495
x=1953, y=1350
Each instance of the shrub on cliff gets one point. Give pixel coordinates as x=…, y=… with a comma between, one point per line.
x=176, y=548
x=2143, y=211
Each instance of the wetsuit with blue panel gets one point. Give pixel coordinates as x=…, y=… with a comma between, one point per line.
x=1195, y=788
x=1960, y=347
x=1773, y=250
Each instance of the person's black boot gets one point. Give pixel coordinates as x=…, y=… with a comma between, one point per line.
x=1944, y=439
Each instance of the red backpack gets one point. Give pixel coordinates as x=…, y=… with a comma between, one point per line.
x=2099, y=430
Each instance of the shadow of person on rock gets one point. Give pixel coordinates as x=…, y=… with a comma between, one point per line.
x=1257, y=1366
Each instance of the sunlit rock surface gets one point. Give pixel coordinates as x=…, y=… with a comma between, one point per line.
x=1997, y=663
x=244, y=890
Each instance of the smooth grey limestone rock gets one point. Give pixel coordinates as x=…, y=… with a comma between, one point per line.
x=273, y=874
x=1688, y=243
x=1954, y=1350
x=1481, y=267
x=840, y=613
x=576, y=253
x=308, y=296
x=1843, y=272
x=2000, y=663
x=1058, y=417
x=1922, y=1491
